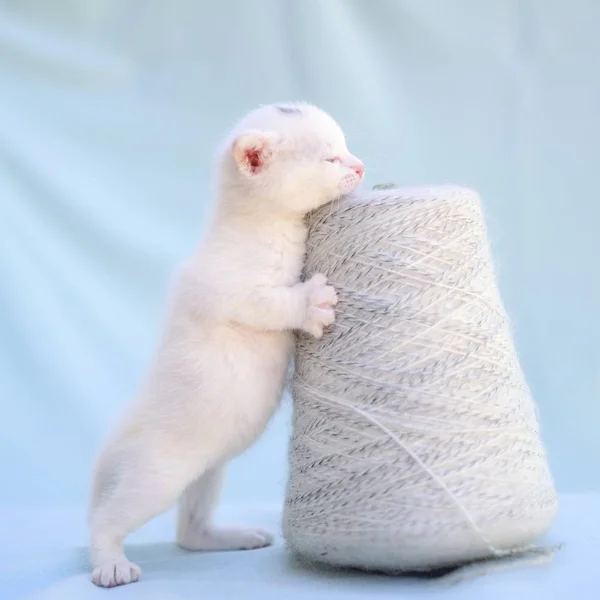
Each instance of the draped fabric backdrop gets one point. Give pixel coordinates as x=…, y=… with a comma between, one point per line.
x=109, y=114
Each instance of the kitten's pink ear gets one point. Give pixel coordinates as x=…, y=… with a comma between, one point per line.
x=253, y=150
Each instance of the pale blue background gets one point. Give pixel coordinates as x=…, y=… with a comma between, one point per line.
x=109, y=113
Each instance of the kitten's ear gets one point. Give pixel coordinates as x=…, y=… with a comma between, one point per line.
x=253, y=151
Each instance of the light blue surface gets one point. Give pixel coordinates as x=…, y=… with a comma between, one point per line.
x=55, y=567
x=109, y=113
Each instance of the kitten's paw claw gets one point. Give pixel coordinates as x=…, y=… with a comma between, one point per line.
x=117, y=572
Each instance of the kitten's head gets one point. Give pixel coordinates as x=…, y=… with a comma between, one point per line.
x=292, y=157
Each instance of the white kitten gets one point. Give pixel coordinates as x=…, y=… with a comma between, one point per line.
x=221, y=364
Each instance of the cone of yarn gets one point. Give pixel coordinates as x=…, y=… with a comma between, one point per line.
x=415, y=439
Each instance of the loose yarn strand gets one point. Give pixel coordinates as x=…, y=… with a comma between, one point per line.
x=438, y=480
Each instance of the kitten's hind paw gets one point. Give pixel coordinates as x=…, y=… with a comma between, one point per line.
x=225, y=539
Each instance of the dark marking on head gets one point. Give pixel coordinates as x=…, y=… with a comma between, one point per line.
x=288, y=110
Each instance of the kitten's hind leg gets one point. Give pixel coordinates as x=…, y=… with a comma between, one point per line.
x=195, y=530
x=144, y=484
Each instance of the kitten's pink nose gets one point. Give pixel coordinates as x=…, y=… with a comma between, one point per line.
x=359, y=169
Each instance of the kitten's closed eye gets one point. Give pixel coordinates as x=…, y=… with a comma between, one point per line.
x=335, y=159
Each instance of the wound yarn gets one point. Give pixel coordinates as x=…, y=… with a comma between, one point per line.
x=415, y=439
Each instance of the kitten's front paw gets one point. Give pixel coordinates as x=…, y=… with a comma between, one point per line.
x=117, y=572
x=321, y=299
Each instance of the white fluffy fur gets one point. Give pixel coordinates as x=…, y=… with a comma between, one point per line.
x=220, y=367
